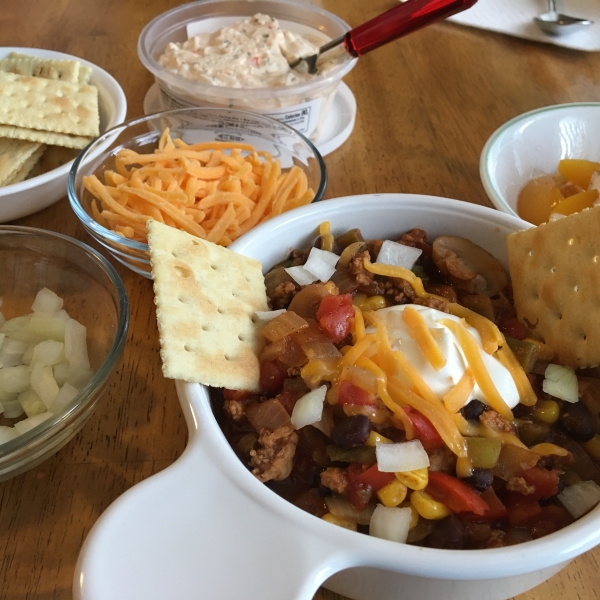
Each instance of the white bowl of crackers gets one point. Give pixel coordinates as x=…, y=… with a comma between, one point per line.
x=213, y=172
x=208, y=300
x=52, y=105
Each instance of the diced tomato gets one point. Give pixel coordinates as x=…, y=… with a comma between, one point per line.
x=455, y=494
x=272, y=375
x=544, y=481
x=551, y=519
x=521, y=509
x=375, y=478
x=348, y=393
x=424, y=430
x=335, y=316
x=496, y=510
x=359, y=492
x=513, y=327
x=288, y=399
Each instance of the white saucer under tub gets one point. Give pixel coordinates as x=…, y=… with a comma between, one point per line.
x=336, y=130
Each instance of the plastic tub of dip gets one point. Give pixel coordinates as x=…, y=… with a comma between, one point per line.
x=303, y=104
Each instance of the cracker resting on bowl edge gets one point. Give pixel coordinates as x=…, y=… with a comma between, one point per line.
x=555, y=270
x=206, y=297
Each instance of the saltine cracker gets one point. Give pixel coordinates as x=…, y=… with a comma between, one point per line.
x=555, y=271
x=206, y=297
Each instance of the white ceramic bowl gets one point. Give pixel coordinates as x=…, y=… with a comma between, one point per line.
x=532, y=144
x=303, y=106
x=29, y=196
x=206, y=528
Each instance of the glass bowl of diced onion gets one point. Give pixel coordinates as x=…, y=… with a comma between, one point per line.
x=64, y=315
x=203, y=170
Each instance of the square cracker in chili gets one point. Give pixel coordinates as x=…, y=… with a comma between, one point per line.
x=206, y=297
x=555, y=271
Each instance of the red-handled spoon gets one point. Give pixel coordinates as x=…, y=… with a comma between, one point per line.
x=396, y=22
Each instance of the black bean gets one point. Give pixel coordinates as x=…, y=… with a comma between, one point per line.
x=473, y=410
x=351, y=432
x=480, y=479
x=578, y=422
x=449, y=533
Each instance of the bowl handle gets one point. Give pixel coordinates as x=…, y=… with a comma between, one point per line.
x=191, y=531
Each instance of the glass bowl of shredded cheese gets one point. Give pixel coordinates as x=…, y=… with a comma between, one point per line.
x=233, y=53
x=215, y=173
x=63, y=321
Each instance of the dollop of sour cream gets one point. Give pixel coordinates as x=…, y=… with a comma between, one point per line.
x=442, y=381
x=252, y=53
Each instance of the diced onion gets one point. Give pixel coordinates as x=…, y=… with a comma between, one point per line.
x=580, y=497
x=309, y=409
x=300, y=275
x=561, y=382
x=402, y=457
x=399, y=255
x=343, y=509
x=26, y=424
x=269, y=315
x=321, y=264
x=390, y=523
x=7, y=434
x=47, y=301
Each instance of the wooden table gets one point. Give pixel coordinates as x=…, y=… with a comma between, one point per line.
x=426, y=105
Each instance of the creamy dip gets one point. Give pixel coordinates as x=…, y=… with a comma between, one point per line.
x=252, y=53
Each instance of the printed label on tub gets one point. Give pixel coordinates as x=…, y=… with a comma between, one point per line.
x=302, y=117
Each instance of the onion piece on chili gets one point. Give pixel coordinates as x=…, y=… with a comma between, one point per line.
x=390, y=523
x=561, y=382
x=309, y=409
x=321, y=263
x=401, y=457
x=269, y=315
x=580, y=497
x=343, y=509
x=399, y=255
x=300, y=275
x=267, y=415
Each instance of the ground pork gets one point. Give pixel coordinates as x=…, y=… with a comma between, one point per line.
x=283, y=294
x=518, y=484
x=417, y=239
x=336, y=479
x=490, y=418
x=400, y=290
x=437, y=304
x=235, y=409
x=275, y=458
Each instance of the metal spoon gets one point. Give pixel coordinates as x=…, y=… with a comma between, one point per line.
x=554, y=23
x=396, y=22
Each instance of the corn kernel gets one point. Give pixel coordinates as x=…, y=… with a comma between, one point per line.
x=375, y=437
x=547, y=411
x=414, y=515
x=427, y=507
x=359, y=299
x=340, y=522
x=392, y=494
x=331, y=288
x=415, y=480
x=373, y=303
x=593, y=447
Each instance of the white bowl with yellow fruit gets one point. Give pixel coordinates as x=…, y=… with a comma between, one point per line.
x=530, y=147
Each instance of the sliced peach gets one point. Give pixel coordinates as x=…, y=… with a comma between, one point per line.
x=576, y=203
x=537, y=199
x=578, y=171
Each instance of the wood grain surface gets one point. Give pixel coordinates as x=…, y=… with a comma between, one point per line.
x=426, y=105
